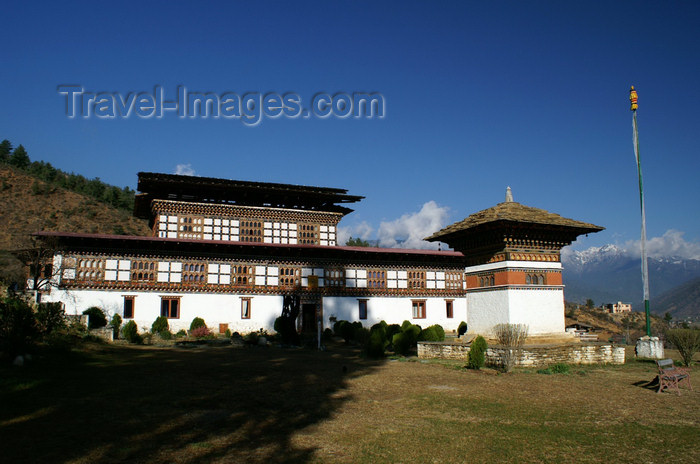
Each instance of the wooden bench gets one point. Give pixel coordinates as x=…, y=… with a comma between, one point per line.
x=671, y=376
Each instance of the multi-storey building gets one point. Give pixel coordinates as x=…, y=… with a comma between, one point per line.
x=231, y=251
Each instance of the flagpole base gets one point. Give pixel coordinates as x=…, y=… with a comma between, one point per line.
x=650, y=348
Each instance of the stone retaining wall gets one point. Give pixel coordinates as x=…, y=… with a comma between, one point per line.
x=530, y=356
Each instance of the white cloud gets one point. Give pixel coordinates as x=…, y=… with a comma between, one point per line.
x=362, y=230
x=409, y=230
x=184, y=170
x=670, y=244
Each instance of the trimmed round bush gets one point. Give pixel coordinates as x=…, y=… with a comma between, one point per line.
x=116, y=324
x=96, y=317
x=392, y=330
x=401, y=343
x=131, y=332
x=428, y=335
x=160, y=325
x=412, y=332
x=439, y=331
x=462, y=329
x=477, y=353
x=379, y=329
x=197, y=322
x=376, y=344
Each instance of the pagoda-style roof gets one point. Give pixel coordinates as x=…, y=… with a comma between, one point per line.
x=234, y=192
x=509, y=221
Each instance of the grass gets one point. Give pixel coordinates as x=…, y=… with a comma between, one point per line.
x=220, y=404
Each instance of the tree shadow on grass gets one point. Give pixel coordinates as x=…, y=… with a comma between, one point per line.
x=128, y=404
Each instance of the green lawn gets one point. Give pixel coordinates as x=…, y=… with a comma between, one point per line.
x=145, y=404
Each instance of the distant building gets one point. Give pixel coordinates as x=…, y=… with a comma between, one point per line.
x=618, y=307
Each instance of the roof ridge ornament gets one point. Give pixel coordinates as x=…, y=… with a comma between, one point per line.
x=509, y=195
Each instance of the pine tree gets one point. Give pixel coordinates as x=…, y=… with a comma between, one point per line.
x=5, y=150
x=20, y=158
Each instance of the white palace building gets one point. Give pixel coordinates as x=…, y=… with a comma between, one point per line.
x=231, y=251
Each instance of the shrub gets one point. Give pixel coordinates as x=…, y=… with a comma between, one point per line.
x=181, y=333
x=197, y=322
x=344, y=329
x=559, y=368
x=50, y=317
x=165, y=335
x=251, y=338
x=116, y=324
x=428, y=335
x=376, y=344
x=96, y=317
x=401, y=343
x=227, y=334
x=379, y=328
x=440, y=332
x=360, y=334
x=477, y=353
x=405, y=325
x=686, y=341
x=412, y=331
x=200, y=332
x=462, y=329
x=284, y=326
x=18, y=327
x=392, y=330
x=160, y=325
x=512, y=337
x=131, y=332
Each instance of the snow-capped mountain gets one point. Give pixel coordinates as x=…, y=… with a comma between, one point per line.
x=611, y=273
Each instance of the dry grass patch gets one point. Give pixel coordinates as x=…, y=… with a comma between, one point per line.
x=145, y=404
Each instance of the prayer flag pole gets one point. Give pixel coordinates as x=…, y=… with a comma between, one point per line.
x=645, y=266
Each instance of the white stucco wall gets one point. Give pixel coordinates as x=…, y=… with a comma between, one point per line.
x=542, y=310
x=226, y=308
x=394, y=311
x=215, y=309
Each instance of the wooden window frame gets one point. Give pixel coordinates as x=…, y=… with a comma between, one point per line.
x=246, y=302
x=362, y=309
x=132, y=299
x=449, y=309
x=167, y=312
x=418, y=310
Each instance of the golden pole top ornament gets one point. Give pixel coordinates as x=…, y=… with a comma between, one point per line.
x=633, y=99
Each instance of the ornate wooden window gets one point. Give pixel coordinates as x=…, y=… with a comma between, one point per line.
x=245, y=308
x=308, y=234
x=487, y=281
x=535, y=279
x=418, y=307
x=242, y=274
x=128, y=312
x=193, y=272
x=170, y=307
x=143, y=270
x=453, y=280
x=289, y=277
x=416, y=279
x=251, y=231
x=334, y=277
x=376, y=278
x=90, y=269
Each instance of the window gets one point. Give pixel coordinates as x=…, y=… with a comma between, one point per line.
x=418, y=309
x=170, y=307
x=128, y=307
x=448, y=309
x=245, y=308
x=362, y=305
x=416, y=279
x=376, y=278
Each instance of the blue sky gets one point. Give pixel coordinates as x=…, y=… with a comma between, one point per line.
x=479, y=96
